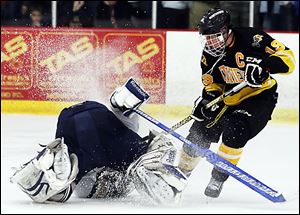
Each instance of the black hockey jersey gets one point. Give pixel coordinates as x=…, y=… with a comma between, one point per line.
x=248, y=45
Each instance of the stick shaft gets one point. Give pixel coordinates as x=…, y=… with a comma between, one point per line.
x=210, y=104
x=228, y=93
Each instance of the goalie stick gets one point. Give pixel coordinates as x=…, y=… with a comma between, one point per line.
x=221, y=163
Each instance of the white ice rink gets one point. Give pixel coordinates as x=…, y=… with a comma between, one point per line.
x=272, y=157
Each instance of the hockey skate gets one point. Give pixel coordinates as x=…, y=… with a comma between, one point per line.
x=214, y=188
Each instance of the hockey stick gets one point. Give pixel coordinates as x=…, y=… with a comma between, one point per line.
x=210, y=104
x=221, y=163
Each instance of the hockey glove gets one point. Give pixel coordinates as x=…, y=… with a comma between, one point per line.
x=256, y=73
x=200, y=113
x=128, y=97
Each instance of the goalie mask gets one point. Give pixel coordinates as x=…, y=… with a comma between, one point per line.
x=212, y=28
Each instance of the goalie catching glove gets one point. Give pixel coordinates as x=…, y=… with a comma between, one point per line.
x=156, y=174
x=128, y=97
x=49, y=175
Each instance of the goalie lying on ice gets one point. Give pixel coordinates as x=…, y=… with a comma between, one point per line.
x=97, y=153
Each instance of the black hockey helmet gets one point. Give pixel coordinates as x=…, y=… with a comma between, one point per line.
x=213, y=21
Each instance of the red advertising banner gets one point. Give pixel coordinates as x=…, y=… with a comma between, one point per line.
x=78, y=64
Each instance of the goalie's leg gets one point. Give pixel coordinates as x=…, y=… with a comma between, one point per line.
x=49, y=175
x=156, y=175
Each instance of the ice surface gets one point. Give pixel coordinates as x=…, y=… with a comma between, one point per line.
x=272, y=157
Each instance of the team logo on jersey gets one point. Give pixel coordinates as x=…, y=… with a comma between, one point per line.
x=207, y=79
x=256, y=40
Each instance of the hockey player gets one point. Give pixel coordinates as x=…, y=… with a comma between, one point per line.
x=97, y=153
x=233, y=55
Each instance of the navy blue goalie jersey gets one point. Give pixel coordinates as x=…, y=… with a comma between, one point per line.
x=98, y=138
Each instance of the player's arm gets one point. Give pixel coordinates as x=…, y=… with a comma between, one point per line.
x=213, y=87
x=129, y=96
x=125, y=98
x=280, y=59
x=270, y=56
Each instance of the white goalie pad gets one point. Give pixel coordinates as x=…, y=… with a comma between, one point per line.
x=49, y=173
x=160, y=188
x=156, y=174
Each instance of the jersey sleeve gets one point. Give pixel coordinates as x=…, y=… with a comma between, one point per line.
x=280, y=59
x=131, y=123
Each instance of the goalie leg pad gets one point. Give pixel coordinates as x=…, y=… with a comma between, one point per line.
x=156, y=175
x=152, y=186
x=49, y=173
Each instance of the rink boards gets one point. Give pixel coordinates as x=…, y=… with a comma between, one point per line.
x=166, y=63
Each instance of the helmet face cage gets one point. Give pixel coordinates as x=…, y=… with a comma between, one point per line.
x=213, y=44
